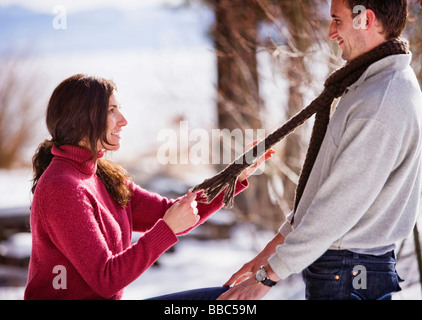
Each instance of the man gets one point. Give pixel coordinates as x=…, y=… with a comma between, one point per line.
x=363, y=191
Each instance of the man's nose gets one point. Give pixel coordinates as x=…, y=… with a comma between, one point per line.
x=333, y=31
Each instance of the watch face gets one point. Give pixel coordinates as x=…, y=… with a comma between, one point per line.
x=261, y=275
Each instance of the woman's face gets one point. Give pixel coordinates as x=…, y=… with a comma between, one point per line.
x=115, y=122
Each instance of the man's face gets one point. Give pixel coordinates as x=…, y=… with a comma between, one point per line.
x=350, y=39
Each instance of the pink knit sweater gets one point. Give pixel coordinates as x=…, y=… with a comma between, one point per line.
x=81, y=239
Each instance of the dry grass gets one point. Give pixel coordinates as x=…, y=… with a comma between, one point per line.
x=18, y=114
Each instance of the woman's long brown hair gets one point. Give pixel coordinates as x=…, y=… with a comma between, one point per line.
x=78, y=110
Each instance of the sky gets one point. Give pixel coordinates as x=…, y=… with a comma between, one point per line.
x=80, y=5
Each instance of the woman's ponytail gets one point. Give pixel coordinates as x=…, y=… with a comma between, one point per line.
x=41, y=160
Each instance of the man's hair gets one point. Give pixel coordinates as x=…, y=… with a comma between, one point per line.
x=391, y=13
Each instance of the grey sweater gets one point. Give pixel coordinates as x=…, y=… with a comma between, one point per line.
x=364, y=189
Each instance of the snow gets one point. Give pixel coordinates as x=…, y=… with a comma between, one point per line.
x=193, y=264
x=198, y=264
x=15, y=187
x=17, y=246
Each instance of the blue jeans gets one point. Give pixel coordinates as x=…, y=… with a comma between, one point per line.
x=197, y=294
x=345, y=275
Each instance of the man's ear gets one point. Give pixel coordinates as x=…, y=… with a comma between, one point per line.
x=370, y=19
x=364, y=18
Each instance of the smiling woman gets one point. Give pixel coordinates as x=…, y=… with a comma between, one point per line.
x=85, y=207
x=83, y=111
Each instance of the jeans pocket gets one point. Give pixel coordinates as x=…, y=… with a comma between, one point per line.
x=321, y=282
x=375, y=285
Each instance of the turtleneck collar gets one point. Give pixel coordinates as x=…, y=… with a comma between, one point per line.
x=79, y=157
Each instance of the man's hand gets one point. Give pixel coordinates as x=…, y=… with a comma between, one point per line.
x=244, y=279
x=251, y=267
x=249, y=289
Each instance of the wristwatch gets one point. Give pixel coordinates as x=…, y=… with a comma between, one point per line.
x=262, y=277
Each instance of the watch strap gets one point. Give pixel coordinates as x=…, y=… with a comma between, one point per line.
x=268, y=282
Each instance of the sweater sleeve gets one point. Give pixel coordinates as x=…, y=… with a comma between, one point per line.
x=205, y=210
x=147, y=208
x=143, y=201
x=356, y=178
x=71, y=222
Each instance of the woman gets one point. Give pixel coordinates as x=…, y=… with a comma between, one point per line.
x=85, y=208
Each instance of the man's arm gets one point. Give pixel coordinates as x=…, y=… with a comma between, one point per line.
x=245, y=287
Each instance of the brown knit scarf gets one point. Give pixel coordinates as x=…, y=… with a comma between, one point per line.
x=334, y=87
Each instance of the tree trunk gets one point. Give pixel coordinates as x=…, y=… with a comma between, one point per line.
x=238, y=105
x=236, y=41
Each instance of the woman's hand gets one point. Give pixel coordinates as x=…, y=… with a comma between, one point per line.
x=183, y=214
x=250, y=170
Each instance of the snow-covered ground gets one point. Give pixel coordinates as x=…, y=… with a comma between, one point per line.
x=193, y=264
x=196, y=264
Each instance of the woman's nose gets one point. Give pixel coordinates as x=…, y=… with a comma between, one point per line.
x=122, y=120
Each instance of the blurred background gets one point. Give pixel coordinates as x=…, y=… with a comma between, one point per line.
x=215, y=64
